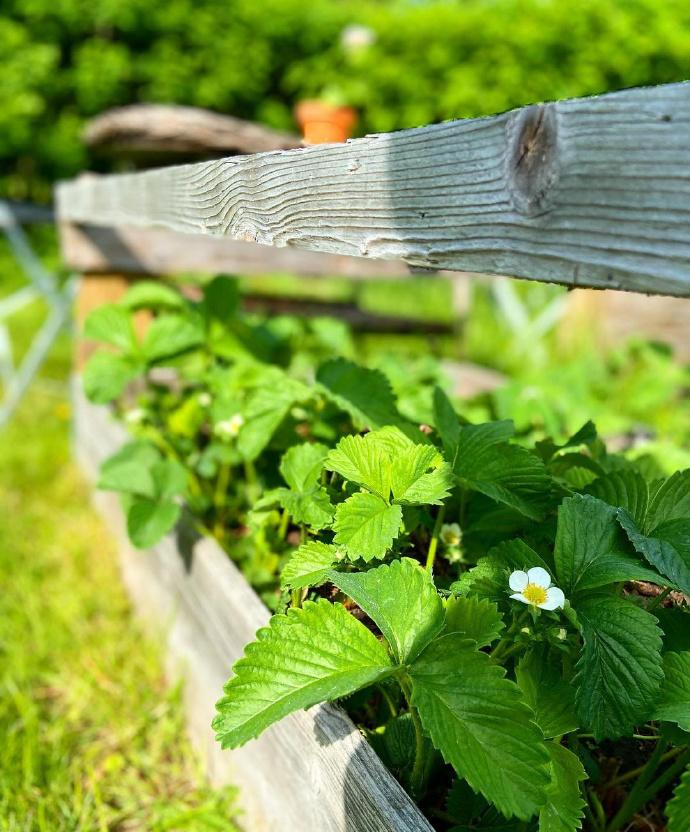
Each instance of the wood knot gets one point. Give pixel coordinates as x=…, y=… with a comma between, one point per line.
x=533, y=163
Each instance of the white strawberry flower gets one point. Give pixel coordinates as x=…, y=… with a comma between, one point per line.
x=451, y=534
x=135, y=416
x=229, y=428
x=204, y=399
x=534, y=587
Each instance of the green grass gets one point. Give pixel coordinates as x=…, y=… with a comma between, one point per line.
x=91, y=737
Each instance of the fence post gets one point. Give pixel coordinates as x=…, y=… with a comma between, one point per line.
x=95, y=290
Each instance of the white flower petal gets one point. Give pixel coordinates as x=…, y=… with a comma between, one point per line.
x=518, y=596
x=518, y=580
x=554, y=599
x=540, y=577
x=451, y=534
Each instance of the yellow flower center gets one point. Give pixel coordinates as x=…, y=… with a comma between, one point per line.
x=535, y=594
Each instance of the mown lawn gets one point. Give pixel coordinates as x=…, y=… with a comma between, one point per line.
x=90, y=738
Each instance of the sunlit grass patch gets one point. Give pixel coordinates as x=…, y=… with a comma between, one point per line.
x=92, y=739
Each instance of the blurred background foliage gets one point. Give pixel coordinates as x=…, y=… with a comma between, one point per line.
x=400, y=63
x=67, y=60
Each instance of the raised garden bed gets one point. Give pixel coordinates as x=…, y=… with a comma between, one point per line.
x=313, y=770
x=518, y=657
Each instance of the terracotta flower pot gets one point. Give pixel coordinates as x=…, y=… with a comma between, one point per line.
x=323, y=123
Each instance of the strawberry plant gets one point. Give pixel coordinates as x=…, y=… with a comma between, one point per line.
x=507, y=623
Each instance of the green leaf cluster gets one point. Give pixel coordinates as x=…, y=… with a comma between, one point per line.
x=483, y=460
x=305, y=499
x=472, y=713
x=149, y=485
x=330, y=500
x=392, y=472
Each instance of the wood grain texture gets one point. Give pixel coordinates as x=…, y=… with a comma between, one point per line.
x=90, y=248
x=313, y=770
x=589, y=192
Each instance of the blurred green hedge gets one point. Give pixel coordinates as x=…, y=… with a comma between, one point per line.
x=66, y=60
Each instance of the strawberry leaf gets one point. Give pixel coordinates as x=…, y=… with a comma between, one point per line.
x=366, y=526
x=106, y=376
x=310, y=565
x=111, y=324
x=667, y=547
x=266, y=408
x=673, y=704
x=550, y=696
x=129, y=470
x=590, y=548
x=169, y=336
x=509, y=474
x=625, y=489
x=480, y=723
x=619, y=672
x=301, y=465
x=671, y=501
x=401, y=600
x=475, y=618
x=151, y=294
x=149, y=520
x=363, y=460
x=678, y=808
x=420, y=476
x=363, y=393
x=311, y=655
x=564, y=809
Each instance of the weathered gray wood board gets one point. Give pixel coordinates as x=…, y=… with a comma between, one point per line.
x=93, y=249
x=589, y=192
x=313, y=772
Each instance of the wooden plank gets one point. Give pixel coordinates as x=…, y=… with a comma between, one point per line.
x=588, y=192
x=173, y=129
x=91, y=248
x=93, y=291
x=359, y=319
x=313, y=770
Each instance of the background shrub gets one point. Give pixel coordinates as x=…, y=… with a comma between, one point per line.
x=66, y=60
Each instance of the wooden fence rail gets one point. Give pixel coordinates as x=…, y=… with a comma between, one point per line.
x=589, y=192
x=92, y=248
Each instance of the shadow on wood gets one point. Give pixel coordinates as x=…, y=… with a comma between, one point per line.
x=92, y=248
